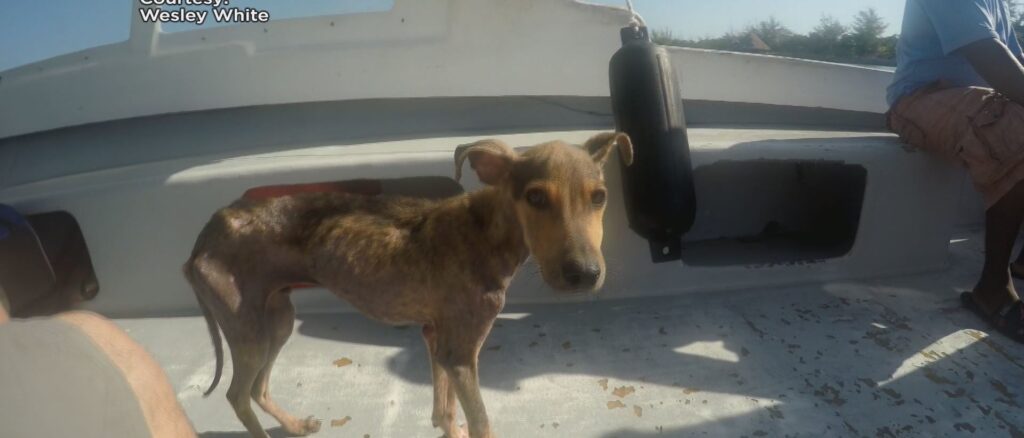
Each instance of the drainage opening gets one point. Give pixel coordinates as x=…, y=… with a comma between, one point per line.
x=774, y=212
x=45, y=267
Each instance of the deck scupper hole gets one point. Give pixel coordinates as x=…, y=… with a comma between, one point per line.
x=772, y=212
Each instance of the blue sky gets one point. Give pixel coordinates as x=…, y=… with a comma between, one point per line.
x=32, y=30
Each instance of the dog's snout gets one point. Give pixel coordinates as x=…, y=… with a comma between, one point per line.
x=579, y=274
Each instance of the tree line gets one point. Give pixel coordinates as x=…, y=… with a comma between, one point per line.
x=863, y=41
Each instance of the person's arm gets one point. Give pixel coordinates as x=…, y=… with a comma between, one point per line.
x=968, y=28
x=1014, y=46
x=998, y=66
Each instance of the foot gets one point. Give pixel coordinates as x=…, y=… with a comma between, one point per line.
x=1017, y=269
x=994, y=295
x=1008, y=320
x=447, y=425
x=302, y=427
x=453, y=431
x=457, y=432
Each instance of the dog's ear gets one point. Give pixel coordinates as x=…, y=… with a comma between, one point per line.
x=600, y=147
x=491, y=159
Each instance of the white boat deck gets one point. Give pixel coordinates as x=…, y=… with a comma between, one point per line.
x=883, y=357
x=734, y=344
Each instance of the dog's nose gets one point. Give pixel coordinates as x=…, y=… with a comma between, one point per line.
x=578, y=274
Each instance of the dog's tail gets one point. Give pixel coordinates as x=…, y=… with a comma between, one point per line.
x=218, y=348
x=211, y=326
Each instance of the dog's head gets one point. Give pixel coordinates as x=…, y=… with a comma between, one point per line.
x=559, y=196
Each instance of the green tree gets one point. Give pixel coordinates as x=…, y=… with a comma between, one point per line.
x=862, y=43
x=771, y=31
x=827, y=37
x=828, y=29
x=887, y=49
x=866, y=37
x=664, y=37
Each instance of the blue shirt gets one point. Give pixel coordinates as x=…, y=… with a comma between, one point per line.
x=934, y=29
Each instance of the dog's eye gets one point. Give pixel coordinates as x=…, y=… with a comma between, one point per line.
x=598, y=197
x=536, y=198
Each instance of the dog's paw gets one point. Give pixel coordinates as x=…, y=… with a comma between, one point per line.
x=304, y=427
x=459, y=432
x=312, y=425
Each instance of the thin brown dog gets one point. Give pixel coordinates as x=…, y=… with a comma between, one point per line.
x=443, y=264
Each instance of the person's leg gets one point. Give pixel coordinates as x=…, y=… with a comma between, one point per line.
x=154, y=393
x=1002, y=222
x=1017, y=266
x=4, y=315
x=979, y=129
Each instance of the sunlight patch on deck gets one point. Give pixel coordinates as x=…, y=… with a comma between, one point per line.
x=197, y=382
x=932, y=353
x=710, y=349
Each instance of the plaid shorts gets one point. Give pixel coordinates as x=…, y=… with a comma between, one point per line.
x=975, y=126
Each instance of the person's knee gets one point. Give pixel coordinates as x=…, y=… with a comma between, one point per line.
x=145, y=377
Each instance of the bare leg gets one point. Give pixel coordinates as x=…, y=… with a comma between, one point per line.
x=155, y=395
x=1002, y=223
x=1017, y=266
x=280, y=314
x=444, y=393
x=4, y=306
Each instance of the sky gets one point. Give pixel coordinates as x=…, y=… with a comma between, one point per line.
x=33, y=30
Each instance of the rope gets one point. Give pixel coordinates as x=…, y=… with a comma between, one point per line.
x=636, y=20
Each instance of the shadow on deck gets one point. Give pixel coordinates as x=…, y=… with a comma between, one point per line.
x=883, y=358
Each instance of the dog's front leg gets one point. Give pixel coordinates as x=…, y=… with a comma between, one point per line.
x=444, y=393
x=458, y=349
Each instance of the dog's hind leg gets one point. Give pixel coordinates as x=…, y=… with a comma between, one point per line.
x=280, y=317
x=248, y=356
x=241, y=320
x=445, y=403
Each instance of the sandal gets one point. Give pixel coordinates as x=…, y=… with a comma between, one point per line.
x=1008, y=321
x=1016, y=271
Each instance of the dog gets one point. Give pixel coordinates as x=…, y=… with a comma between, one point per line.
x=443, y=264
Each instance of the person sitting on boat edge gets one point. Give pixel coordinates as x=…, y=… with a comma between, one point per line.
x=958, y=92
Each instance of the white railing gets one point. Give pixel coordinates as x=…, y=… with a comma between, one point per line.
x=420, y=48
